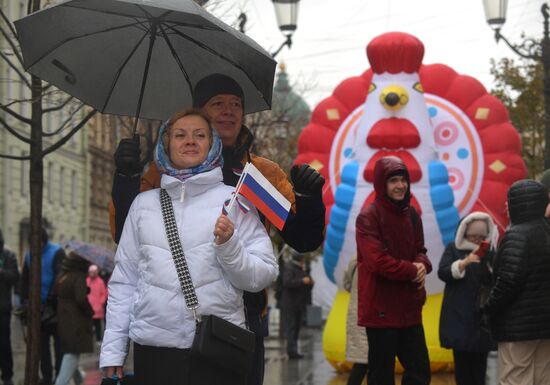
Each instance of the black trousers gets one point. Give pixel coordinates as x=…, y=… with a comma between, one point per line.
x=257, y=325
x=358, y=373
x=47, y=333
x=98, y=329
x=292, y=319
x=155, y=365
x=470, y=367
x=6, y=356
x=408, y=345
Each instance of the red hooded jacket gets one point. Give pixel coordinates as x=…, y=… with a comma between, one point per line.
x=389, y=239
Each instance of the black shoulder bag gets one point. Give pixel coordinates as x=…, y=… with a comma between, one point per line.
x=216, y=340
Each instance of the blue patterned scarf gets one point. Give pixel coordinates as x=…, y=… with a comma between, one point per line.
x=213, y=160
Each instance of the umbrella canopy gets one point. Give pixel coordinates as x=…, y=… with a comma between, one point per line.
x=98, y=255
x=140, y=58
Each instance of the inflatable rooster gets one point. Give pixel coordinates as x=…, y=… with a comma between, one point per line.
x=456, y=140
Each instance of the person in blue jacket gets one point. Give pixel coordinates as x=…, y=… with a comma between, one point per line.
x=52, y=256
x=465, y=270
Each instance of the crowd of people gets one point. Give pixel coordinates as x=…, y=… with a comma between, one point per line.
x=183, y=254
x=66, y=314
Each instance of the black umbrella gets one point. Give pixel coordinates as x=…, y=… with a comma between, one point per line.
x=140, y=58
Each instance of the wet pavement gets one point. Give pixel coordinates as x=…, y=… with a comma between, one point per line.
x=313, y=369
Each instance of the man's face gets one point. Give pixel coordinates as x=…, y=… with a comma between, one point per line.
x=396, y=187
x=226, y=113
x=547, y=213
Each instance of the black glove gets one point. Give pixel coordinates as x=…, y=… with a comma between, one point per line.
x=127, y=157
x=306, y=180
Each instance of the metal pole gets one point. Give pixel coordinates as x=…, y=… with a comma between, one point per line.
x=152, y=37
x=532, y=49
x=546, y=68
x=287, y=42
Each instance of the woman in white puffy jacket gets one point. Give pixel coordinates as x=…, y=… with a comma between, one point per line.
x=225, y=255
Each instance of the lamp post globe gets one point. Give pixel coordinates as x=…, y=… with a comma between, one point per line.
x=495, y=12
x=530, y=48
x=287, y=15
x=286, y=12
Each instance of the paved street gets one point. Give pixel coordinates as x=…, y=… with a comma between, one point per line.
x=313, y=369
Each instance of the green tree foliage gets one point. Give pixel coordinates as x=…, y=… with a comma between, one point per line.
x=520, y=87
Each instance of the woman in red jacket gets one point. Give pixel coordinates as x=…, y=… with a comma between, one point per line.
x=97, y=298
x=392, y=266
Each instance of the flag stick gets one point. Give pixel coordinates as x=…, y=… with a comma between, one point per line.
x=237, y=188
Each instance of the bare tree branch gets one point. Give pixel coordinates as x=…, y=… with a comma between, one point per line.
x=15, y=157
x=15, y=102
x=64, y=124
x=16, y=69
x=8, y=38
x=46, y=87
x=8, y=23
x=15, y=114
x=57, y=108
x=14, y=132
x=66, y=138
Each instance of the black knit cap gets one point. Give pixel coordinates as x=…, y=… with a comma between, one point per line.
x=215, y=84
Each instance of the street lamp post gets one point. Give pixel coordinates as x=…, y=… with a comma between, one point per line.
x=287, y=15
x=495, y=13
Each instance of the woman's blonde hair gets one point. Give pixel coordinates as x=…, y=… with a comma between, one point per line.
x=183, y=114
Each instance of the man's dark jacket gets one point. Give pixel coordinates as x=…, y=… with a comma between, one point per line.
x=295, y=292
x=9, y=274
x=519, y=302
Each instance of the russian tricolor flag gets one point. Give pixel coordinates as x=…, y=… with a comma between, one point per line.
x=258, y=190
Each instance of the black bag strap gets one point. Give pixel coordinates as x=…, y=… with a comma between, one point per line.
x=177, y=253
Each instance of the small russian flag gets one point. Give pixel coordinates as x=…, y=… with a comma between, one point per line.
x=258, y=190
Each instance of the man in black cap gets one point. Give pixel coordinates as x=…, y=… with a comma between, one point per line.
x=9, y=274
x=222, y=99
x=294, y=298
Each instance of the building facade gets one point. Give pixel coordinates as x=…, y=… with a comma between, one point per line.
x=102, y=140
x=66, y=170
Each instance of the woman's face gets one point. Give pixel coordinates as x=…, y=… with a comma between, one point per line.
x=190, y=141
x=476, y=232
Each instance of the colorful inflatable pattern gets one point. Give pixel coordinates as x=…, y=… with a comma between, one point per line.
x=456, y=139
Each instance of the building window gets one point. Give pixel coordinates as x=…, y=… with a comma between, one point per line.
x=74, y=189
x=50, y=182
x=62, y=186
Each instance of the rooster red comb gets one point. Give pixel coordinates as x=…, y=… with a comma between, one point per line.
x=395, y=52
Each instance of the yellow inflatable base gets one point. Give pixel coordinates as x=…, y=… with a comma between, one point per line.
x=334, y=335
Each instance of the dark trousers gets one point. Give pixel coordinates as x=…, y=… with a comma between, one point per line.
x=408, y=345
x=6, y=356
x=256, y=324
x=155, y=365
x=98, y=329
x=470, y=367
x=292, y=319
x=48, y=332
x=358, y=373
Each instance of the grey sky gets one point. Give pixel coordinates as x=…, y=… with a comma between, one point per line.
x=329, y=45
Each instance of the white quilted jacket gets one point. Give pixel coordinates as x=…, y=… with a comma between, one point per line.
x=146, y=303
